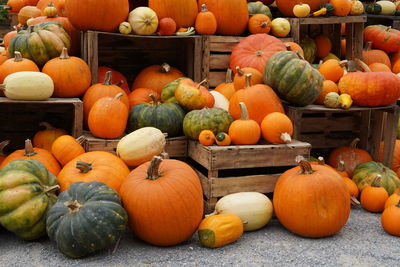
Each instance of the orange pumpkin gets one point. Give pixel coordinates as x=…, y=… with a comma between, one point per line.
x=140, y=96
x=227, y=88
x=259, y=23
x=164, y=201
x=370, y=56
x=393, y=199
x=65, y=148
x=156, y=77
x=39, y=154
x=239, y=79
x=14, y=6
x=45, y=138
x=244, y=131
x=373, y=197
x=286, y=6
x=71, y=75
x=352, y=187
x=206, y=23
x=183, y=12
x=94, y=166
x=396, y=156
x=206, y=138
x=332, y=70
x=116, y=78
x=28, y=12
x=8, y=36
x=327, y=87
x=379, y=67
x=341, y=7
x=3, y=144
x=16, y=64
x=59, y=4
x=277, y=128
x=390, y=219
x=292, y=46
x=324, y=45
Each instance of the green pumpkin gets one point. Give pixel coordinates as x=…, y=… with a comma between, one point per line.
x=41, y=42
x=373, y=9
x=86, y=218
x=365, y=173
x=259, y=8
x=213, y=119
x=167, y=117
x=26, y=195
x=292, y=78
x=168, y=92
x=310, y=48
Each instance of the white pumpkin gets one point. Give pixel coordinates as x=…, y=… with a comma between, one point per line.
x=388, y=7
x=144, y=20
x=28, y=85
x=141, y=145
x=220, y=100
x=255, y=209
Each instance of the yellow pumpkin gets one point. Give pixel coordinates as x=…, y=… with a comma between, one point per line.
x=357, y=8
x=125, y=27
x=143, y=20
x=301, y=10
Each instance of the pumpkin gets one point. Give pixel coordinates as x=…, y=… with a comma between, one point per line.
x=370, y=88
x=167, y=117
x=321, y=205
x=280, y=27
x=191, y=95
x=293, y=78
x=370, y=56
x=99, y=15
x=16, y=64
x=141, y=145
x=3, y=144
x=353, y=189
x=219, y=230
x=168, y=91
x=156, y=77
x=244, y=131
x=50, y=10
x=327, y=87
x=143, y=20
x=125, y=27
x=215, y=119
x=292, y=46
x=324, y=46
x=277, y=128
x=141, y=96
x=28, y=12
x=58, y=4
x=45, y=138
x=332, y=70
x=393, y=199
x=383, y=37
x=342, y=7
x=108, y=117
x=253, y=208
x=3, y=58
x=8, y=36
x=390, y=218
x=258, y=7
x=65, y=148
x=224, y=11
x=27, y=85
x=239, y=80
x=220, y=100
x=223, y=139
x=27, y=191
x=396, y=156
x=206, y=23
x=388, y=7
x=116, y=78
x=227, y=88
x=14, y=6
x=310, y=48
x=99, y=90
x=259, y=23
x=357, y=7
x=373, y=9
x=178, y=211
x=286, y=6
x=373, y=197
x=206, y=138
x=184, y=16
x=105, y=219
x=39, y=154
x=301, y=10
x=254, y=51
x=166, y=26
x=379, y=67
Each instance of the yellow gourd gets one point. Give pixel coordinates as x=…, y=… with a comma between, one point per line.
x=345, y=101
x=301, y=10
x=357, y=8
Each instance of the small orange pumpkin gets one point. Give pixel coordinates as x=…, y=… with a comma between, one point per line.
x=239, y=79
x=332, y=69
x=206, y=138
x=223, y=139
x=341, y=7
x=259, y=23
x=16, y=64
x=140, y=96
x=393, y=199
x=373, y=197
x=45, y=138
x=65, y=148
x=206, y=23
x=244, y=131
x=292, y=46
x=390, y=219
x=277, y=128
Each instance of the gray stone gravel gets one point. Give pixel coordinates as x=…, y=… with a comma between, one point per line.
x=362, y=242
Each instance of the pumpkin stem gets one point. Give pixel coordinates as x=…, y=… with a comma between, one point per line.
x=343, y=63
x=201, y=83
x=368, y=46
x=354, y=200
x=259, y=53
x=51, y=5
x=239, y=71
x=228, y=77
x=120, y=83
x=3, y=144
x=377, y=181
x=354, y=143
x=84, y=167
x=153, y=172
x=17, y=56
x=363, y=66
x=80, y=139
x=73, y=206
x=247, y=80
x=300, y=55
x=321, y=160
x=204, y=8
x=153, y=99
x=285, y=137
x=164, y=154
x=305, y=167
x=118, y=96
x=263, y=24
x=288, y=47
x=46, y=125
x=6, y=7
x=50, y=189
x=244, y=114
x=340, y=166
x=165, y=68
x=108, y=78
x=29, y=152
x=64, y=53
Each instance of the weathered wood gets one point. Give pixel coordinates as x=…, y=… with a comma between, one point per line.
x=209, y=205
x=393, y=21
x=330, y=20
x=390, y=136
x=219, y=61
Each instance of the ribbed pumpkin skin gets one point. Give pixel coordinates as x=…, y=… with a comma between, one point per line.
x=365, y=173
x=383, y=37
x=215, y=119
x=23, y=200
x=15, y=65
x=183, y=12
x=293, y=79
x=100, y=15
x=167, y=117
x=95, y=225
x=371, y=88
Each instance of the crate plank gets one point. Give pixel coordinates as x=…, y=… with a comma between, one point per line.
x=219, y=61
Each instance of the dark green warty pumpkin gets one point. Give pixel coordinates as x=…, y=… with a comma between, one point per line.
x=373, y=9
x=213, y=119
x=292, y=78
x=168, y=92
x=27, y=191
x=86, y=218
x=167, y=117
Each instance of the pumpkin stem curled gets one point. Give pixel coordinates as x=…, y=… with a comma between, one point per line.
x=244, y=114
x=354, y=143
x=64, y=53
x=377, y=181
x=17, y=56
x=354, y=200
x=108, y=78
x=285, y=137
x=228, y=77
x=153, y=172
x=165, y=68
x=3, y=144
x=305, y=167
x=84, y=167
x=201, y=83
x=73, y=206
x=46, y=125
x=29, y=152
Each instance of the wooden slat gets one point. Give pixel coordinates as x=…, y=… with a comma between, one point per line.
x=390, y=135
x=215, y=78
x=330, y=20
x=319, y=124
x=324, y=141
x=219, y=61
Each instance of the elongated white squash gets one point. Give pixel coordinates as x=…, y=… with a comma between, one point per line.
x=28, y=85
x=388, y=7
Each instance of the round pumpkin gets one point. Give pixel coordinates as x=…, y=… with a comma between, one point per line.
x=393, y=199
x=14, y=6
x=244, y=131
x=206, y=23
x=239, y=80
x=383, y=37
x=141, y=96
x=65, y=148
x=390, y=218
x=332, y=70
x=27, y=191
x=341, y=7
x=16, y=64
x=227, y=88
x=373, y=197
x=28, y=12
x=277, y=128
x=286, y=6
x=259, y=23
x=58, y=4
x=105, y=220
x=45, y=138
x=178, y=209
x=370, y=56
x=143, y=20
x=183, y=12
x=117, y=78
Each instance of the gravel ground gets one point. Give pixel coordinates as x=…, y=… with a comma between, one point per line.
x=362, y=242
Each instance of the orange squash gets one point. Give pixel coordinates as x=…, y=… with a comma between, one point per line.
x=16, y=64
x=332, y=70
x=259, y=23
x=140, y=96
x=370, y=56
x=277, y=128
x=206, y=23
x=28, y=12
x=14, y=6
x=65, y=148
x=45, y=138
x=292, y=46
x=240, y=77
x=373, y=197
x=342, y=7
x=244, y=131
x=390, y=219
x=183, y=12
x=206, y=138
x=393, y=199
x=227, y=88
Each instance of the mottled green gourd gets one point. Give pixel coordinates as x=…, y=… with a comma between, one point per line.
x=259, y=8
x=214, y=119
x=373, y=9
x=168, y=92
x=27, y=191
x=167, y=117
x=86, y=218
x=310, y=49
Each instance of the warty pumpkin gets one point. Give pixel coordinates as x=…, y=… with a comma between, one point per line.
x=191, y=95
x=16, y=64
x=45, y=138
x=183, y=12
x=178, y=211
x=383, y=37
x=277, y=128
x=374, y=196
x=390, y=218
x=65, y=148
x=206, y=23
x=168, y=91
x=244, y=131
x=370, y=56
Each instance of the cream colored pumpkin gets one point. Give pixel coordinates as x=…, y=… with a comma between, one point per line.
x=28, y=85
x=125, y=27
x=220, y=100
x=143, y=20
x=357, y=8
x=141, y=145
x=255, y=209
x=388, y=7
x=301, y=10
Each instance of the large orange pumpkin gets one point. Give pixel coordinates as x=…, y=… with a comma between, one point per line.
x=59, y=4
x=183, y=12
x=100, y=15
x=312, y=200
x=164, y=201
x=286, y=6
x=370, y=56
x=94, y=166
x=45, y=138
x=232, y=15
x=254, y=51
x=16, y=64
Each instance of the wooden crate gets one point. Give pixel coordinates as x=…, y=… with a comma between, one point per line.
x=176, y=147
x=20, y=120
x=230, y=169
x=129, y=54
x=392, y=21
x=327, y=128
x=331, y=26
